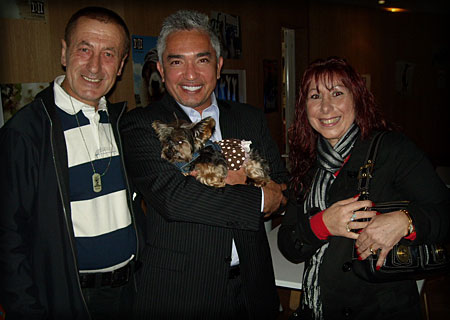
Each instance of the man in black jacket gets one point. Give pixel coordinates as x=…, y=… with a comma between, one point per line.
x=68, y=242
x=206, y=254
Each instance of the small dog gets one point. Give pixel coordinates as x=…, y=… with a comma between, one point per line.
x=187, y=146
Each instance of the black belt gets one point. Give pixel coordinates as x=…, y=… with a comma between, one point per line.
x=115, y=278
x=234, y=272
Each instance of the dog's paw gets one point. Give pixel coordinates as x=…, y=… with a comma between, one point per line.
x=257, y=171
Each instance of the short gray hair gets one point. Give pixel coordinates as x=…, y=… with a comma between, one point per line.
x=185, y=20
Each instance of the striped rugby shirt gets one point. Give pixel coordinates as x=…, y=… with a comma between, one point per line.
x=104, y=235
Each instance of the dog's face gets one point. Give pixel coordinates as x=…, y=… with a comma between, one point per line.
x=181, y=139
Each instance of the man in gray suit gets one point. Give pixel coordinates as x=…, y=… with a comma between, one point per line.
x=206, y=254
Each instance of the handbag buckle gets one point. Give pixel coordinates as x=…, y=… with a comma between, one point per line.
x=402, y=254
x=366, y=170
x=439, y=252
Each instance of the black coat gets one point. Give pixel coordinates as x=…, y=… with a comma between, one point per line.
x=190, y=226
x=38, y=264
x=401, y=172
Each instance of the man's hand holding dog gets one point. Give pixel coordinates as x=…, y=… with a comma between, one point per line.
x=273, y=197
x=273, y=192
x=236, y=177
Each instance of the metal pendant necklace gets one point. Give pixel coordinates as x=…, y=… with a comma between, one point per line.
x=96, y=177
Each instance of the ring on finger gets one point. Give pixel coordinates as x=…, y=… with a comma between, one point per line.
x=348, y=227
x=372, y=251
x=353, y=218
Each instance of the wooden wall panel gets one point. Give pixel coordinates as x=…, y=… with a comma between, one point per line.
x=28, y=55
x=374, y=41
x=32, y=48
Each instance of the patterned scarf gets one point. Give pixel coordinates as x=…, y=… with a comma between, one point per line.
x=330, y=160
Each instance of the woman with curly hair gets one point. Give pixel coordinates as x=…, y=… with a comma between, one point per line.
x=335, y=121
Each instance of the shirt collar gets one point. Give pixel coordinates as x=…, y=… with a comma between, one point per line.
x=63, y=100
x=211, y=111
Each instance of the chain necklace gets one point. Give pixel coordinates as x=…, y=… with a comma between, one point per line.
x=96, y=177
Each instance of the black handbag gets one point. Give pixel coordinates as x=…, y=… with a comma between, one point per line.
x=404, y=261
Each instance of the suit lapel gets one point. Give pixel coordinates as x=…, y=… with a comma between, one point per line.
x=173, y=108
x=228, y=127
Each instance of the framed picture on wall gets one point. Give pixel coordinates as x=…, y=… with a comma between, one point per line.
x=404, y=76
x=24, y=9
x=227, y=28
x=366, y=78
x=16, y=95
x=231, y=86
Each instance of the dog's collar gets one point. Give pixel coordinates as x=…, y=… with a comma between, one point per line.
x=185, y=167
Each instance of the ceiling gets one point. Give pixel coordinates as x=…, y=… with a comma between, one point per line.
x=430, y=6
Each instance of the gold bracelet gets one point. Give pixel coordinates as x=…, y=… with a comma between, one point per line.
x=411, y=228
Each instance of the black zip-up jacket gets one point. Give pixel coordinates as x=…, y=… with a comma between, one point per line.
x=38, y=260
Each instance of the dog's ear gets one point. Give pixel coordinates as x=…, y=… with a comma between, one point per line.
x=203, y=130
x=162, y=129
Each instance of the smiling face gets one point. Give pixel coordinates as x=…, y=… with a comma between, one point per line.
x=190, y=68
x=93, y=59
x=330, y=109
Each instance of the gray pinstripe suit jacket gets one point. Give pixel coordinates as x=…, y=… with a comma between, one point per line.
x=189, y=227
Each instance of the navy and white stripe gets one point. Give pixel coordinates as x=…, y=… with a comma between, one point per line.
x=104, y=234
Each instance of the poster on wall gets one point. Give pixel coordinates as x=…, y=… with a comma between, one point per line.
x=404, y=72
x=367, y=81
x=231, y=86
x=148, y=85
x=24, y=9
x=270, y=68
x=16, y=95
x=227, y=28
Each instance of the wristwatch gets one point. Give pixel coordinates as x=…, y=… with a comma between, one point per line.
x=411, y=228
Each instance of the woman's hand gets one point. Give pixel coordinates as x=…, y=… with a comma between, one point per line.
x=339, y=218
x=382, y=232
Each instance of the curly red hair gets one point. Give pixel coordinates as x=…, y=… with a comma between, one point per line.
x=303, y=138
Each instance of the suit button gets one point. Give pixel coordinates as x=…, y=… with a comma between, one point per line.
x=347, y=312
x=346, y=267
x=228, y=259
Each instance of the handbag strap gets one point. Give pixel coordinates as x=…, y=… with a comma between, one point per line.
x=365, y=172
